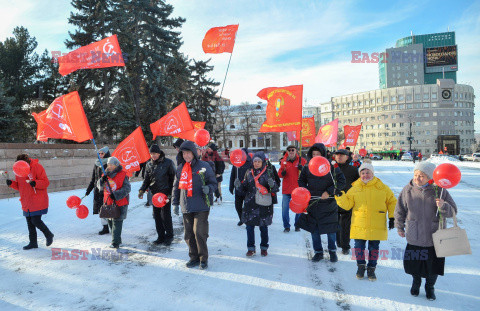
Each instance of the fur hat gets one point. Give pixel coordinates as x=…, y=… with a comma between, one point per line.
x=114, y=161
x=368, y=166
x=426, y=167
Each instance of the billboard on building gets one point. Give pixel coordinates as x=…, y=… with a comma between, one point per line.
x=441, y=56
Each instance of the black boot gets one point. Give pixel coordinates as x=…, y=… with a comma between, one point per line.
x=317, y=257
x=30, y=246
x=49, y=236
x=417, y=281
x=361, y=271
x=371, y=273
x=429, y=287
x=104, y=230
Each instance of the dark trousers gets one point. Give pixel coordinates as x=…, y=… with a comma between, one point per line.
x=343, y=235
x=239, y=205
x=196, y=234
x=116, y=226
x=359, y=251
x=251, y=237
x=34, y=222
x=163, y=221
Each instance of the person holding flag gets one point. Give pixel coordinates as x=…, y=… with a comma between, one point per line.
x=104, y=154
x=34, y=199
x=290, y=167
x=159, y=178
x=193, y=190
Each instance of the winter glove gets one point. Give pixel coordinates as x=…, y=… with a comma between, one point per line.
x=104, y=178
x=87, y=193
x=33, y=183
x=140, y=194
x=9, y=182
x=271, y=183
x=338, y=192
x=237, y=183
x=284, y=172
x=391, y=223
x=206, y=189
x=300, y=167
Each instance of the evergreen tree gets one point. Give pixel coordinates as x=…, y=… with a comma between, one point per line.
x=8, y=120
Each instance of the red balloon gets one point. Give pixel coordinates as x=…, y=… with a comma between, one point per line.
x=159, y=200
x=362, y=152
x=201, y=137
x=371, y=155
x=319, y=166
x=73, y=201
x=297, y=208
x=447, y=175
x=301, y=196
x=21, y=168
x=82, y=212
x=238, y=157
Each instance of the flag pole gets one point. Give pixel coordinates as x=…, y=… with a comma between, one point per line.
x=103, y=169
x=226, y=72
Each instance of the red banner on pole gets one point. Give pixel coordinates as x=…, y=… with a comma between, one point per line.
x=308, y=131
x=173, y=123
x=351, y=134
x=328, y=133
x=101, y=54
x=63, y=119
x=220, y=39
x=132, y=151
x=284, y=108
x=190, y=135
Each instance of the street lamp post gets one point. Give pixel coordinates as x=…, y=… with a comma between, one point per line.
x=410, y=138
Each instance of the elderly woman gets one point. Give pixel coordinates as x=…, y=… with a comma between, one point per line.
x=370, y=200
x=118, y=193
x=257, y=188
x=34, y=199
x=416, y=218
x=193, y=190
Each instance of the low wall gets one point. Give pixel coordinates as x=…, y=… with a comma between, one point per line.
x=68, y=166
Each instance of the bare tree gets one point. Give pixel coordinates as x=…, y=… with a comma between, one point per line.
x=247, y=112
x=223, y=118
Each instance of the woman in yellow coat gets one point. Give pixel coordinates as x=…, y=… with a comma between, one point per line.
x=370, y=199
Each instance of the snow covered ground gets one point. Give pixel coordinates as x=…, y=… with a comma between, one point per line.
x=155, y=278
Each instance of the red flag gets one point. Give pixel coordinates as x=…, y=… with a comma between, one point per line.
x=63, y=119
x=327, y=134
x=284, y=109
x=342, y=146
x=173, y=123
x=292, y=135
x=220, y=39
x=190, y=135
x=132, y=151
x=351, y=134
x=101, y=54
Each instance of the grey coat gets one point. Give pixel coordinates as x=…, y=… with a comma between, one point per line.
x=416, y=213
x=119, y=193
x=197, y=202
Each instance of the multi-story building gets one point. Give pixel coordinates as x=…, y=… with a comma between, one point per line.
x=419, y=59
x=435, y=116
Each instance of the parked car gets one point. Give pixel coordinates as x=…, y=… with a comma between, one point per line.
x=406, y=157
x=376, y=157
x=476, y=157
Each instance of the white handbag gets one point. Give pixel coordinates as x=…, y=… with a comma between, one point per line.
x=451, y=241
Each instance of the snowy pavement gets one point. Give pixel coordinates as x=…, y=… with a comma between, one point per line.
x=146, y=277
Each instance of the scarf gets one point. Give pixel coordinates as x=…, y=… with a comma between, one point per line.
x=260, y=188
x=186, y=179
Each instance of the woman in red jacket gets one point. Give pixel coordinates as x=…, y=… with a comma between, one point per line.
x=34, y=199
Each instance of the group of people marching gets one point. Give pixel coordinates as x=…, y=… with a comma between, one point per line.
x=349, y=203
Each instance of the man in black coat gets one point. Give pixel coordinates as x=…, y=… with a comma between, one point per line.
x=212, y=155
x=322, y=213
x=236, y=177
x=159, y=178
x=342, y=157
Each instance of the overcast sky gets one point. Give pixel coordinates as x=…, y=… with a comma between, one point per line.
x=287, y=42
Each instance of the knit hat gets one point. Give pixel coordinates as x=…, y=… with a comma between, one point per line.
x=367, y=166
x=178, y=143
x=114, y=161
x=155, y=149
x=291, y=146
x=104, y=149
x=213, y=146
x=426, y=167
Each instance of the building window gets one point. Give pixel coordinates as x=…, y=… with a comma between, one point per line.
x=241, y=143
x=409, y=97
x=426, y=96
x=267, y=142
x=230, y=144
x=400, y=97
x=393, y=98
x=385, y=99
x=254, y=143
x=417, y=97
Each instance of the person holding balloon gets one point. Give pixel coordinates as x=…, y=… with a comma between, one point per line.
x=117, y=191
x=323, y=180
x=417, y=214
x=32, y=182
x=242, y=161
x=104, y=154
x=257, y=188
x=159, y=178
x=193, y=190
x=370, y=200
